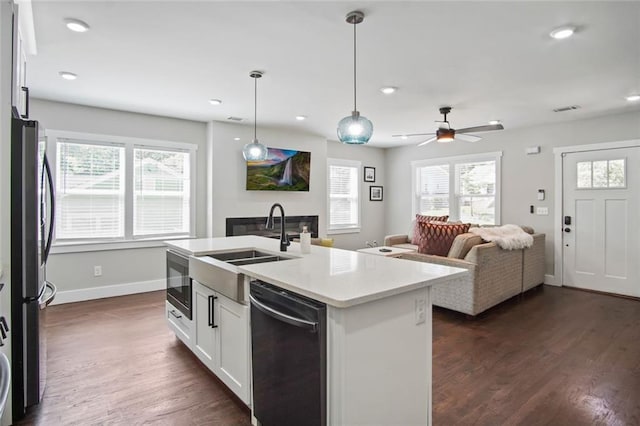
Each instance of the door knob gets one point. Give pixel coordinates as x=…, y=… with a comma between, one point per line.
x=567, y=229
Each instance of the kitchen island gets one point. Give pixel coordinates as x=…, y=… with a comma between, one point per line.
x=378, y=322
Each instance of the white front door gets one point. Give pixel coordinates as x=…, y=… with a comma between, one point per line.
x=601, y=231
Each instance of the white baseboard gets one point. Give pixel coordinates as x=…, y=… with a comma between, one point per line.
x=551, y=280
x=70, y=296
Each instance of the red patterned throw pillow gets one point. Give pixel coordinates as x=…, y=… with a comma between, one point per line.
x=437, y=237
x=422, y=219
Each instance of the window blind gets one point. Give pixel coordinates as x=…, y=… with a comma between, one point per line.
x=89, y=191
x=343, y=197
x=161, y=194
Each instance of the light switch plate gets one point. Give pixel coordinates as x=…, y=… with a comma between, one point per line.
x=542, y=211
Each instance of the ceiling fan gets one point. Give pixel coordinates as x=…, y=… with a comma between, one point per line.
x=446, y=134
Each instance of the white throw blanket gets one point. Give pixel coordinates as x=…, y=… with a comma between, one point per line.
x=508, y=237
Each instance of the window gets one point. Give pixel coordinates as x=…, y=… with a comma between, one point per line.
x=601, y=174
x=118, y=189
x=344, y=196
x=465, y=188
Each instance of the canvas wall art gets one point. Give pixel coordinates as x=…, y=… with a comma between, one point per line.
x=283, y=170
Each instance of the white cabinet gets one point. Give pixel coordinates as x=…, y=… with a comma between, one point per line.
x=204, y=336
x=180, y=324
x=232, y=320
x=221, y=338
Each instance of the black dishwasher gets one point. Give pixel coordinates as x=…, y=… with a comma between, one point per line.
x=288, y=339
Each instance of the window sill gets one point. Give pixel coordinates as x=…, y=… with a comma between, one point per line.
x=81, y=247
x=343, y=231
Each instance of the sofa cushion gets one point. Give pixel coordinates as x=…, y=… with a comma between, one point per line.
x=437, y=237
x=406, y=246
x=462, y=244
x=414, y=237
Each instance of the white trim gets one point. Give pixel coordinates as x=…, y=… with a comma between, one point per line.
x=105, y=139
x=26, y=26
x=80, y=295
x=559, y=153
x=343, y=231
x=458, y=158
x=81, y=247
x=551, y=280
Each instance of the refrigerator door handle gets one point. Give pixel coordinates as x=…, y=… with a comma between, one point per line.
x=52, y=209
x=54, y=290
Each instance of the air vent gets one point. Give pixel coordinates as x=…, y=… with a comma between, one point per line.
x=234, y=118
x=567, y=108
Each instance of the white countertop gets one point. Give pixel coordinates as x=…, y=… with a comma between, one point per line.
x=340, y=278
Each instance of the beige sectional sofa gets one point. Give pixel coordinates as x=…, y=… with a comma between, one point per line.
x=495, y=275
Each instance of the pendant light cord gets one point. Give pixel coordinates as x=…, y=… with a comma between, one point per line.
x=255, y=108
x=355, y=108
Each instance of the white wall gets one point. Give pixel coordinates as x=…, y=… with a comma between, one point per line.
x=72, y=271
x=522, y=175
x=229, y=198
x=372, y=212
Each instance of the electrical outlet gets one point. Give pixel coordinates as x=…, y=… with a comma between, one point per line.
x=97, y=271
x=542, y=211
x=421, y=311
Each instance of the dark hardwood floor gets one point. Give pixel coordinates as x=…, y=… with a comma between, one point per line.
x=555, y=356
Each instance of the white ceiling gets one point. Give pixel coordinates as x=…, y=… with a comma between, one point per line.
x=489, y=60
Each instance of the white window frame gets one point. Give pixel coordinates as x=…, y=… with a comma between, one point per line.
x=129, y=143
x=346, y=163
x=453, y=195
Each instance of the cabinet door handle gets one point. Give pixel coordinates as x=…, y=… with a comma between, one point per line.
x=212, y=312
x=172, y=312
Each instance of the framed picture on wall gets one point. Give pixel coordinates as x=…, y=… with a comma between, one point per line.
x=375, y=193
x=369, y=174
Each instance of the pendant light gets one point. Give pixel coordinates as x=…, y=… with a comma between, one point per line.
x=255, y=151
x=354, y=128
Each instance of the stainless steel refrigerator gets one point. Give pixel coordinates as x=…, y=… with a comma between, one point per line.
x=32, y=218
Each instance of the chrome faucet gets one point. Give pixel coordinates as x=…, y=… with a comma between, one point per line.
x=284, y=240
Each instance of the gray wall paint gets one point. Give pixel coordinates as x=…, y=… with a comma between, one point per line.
x=229, y=195
x=522, y=175
x=72, y=271
x=231, y=199
x=372, y=212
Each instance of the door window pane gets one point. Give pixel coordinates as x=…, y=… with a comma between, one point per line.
x=599, y=174
x=616, y=174
x=584, y=174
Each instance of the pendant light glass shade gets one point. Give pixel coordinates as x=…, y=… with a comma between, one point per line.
x=255, y=151
x=355, y=129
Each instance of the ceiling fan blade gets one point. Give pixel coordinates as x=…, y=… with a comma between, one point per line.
x=412, y=134
x=481, y=128
x=467, y=138
x=427, y=141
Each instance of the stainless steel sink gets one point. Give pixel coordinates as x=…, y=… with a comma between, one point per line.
x=210, y=271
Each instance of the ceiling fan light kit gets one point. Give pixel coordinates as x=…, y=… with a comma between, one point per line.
x=354, y=129
x=255, y=151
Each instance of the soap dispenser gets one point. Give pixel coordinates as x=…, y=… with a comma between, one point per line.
x=305, y=240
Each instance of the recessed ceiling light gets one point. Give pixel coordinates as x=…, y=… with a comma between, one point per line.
x=76, y=25
x=494, y=122
x=633, y=98
x=388, y=90
x=236, y=139
x=301, y=117
x=68, y=75
x=215, y=101
x=562, y=32
x=404, y=137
